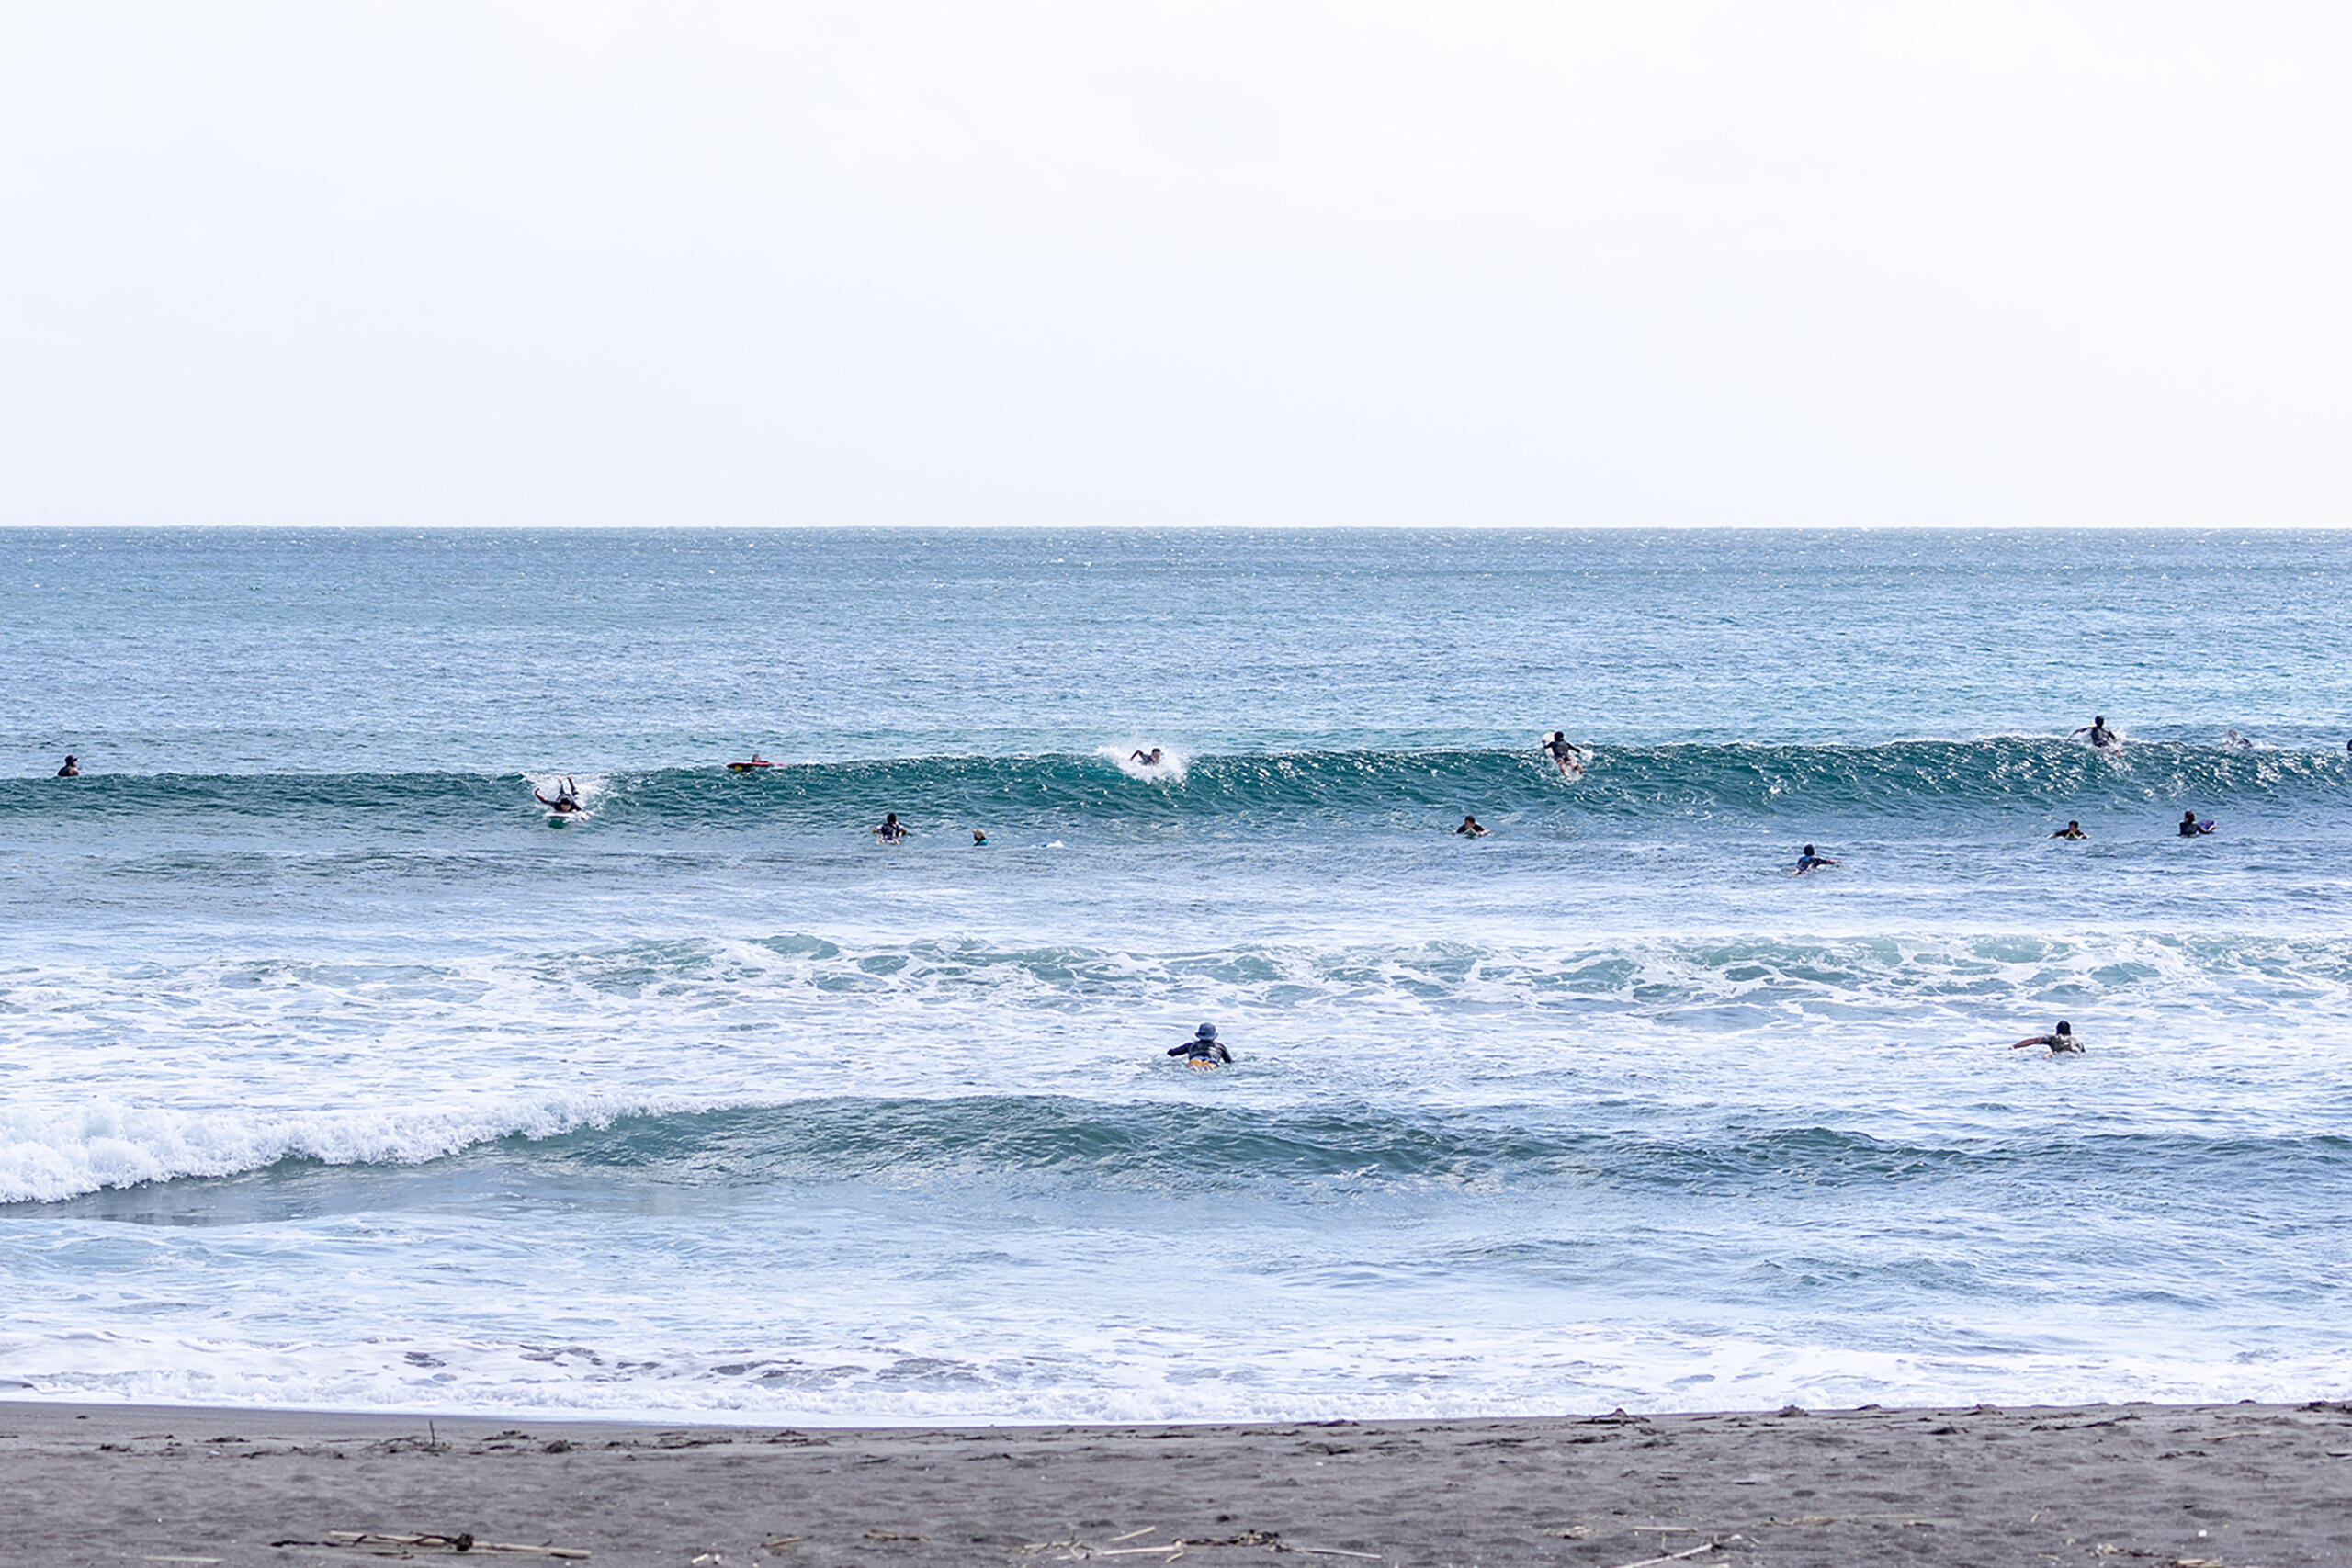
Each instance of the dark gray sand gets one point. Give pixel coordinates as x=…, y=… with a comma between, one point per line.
x=2251, y=1487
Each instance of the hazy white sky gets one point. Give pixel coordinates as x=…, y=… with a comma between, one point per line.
x=1639, y=262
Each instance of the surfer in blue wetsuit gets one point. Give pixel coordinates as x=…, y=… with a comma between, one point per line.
x=72, y=768
x=566, y=801
x=891, y=830
x=2191, y=828
x=2060, y=1039
x=1808, y=860
x=1201, y=1047
x=1470, y=828
x=978, y=838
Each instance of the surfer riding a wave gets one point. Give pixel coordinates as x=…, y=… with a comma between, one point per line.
x=567, y=798
x=2100, y=735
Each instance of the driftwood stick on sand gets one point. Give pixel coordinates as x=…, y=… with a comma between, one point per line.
x=1671, y=1556
x=461, y=1542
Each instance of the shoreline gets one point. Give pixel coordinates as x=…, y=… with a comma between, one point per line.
x=2245, y=1486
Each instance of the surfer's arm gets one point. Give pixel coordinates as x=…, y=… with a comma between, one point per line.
x=2031, y=1040
x=542, y=799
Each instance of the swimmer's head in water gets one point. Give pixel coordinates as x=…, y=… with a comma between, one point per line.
x=1206, y=1032
x=2065, y=1028
x=889, y=816
x=1808, y=849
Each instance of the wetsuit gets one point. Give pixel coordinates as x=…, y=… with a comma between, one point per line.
x=1202, y=1051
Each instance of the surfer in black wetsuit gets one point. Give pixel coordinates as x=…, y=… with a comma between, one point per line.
x=1148, y=759
x=1808, y=860
x=72, y=768
x=2071, y=831
x=892, y=830
x=2060, y=1039
x=2191, y=828
x=1470, y=828
x=1566, y=754
x=1201, y=1047
x=566, y=801
x=2097, y=732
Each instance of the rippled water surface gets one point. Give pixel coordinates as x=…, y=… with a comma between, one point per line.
x=333, y=1072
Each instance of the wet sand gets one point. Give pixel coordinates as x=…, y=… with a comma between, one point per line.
x=2246, y=1485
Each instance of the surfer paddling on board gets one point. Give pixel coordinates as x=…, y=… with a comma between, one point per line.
x=2060, y=1040
x=1148, y=759
x=1470, y=828
x=892, y=830
x=72, y=768
x=567, y=798
x=1809, y=861
x=2191, y=828
x=1566, y=754
x=2073, y=829
x=1202, y=1048
x=2099, y=735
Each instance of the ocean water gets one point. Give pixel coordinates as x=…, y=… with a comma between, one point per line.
x=333, y=1073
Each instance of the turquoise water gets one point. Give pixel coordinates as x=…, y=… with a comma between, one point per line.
x=333, y=1073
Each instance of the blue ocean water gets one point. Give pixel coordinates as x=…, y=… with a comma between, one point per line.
x=334, y=1073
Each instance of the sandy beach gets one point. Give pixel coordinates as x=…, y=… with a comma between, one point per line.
x=2246, y=1485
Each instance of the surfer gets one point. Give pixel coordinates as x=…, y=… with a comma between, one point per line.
x=2071, y=831
x=2240, y=741
x=1470, y=827
x=72, y=768
x=1148, y=759
x=1566, y=754
x=891, y=830
x=2191, y=828
x=566, y=801
x=1201, y=1047
x=2060, y=1039
x=2097, y=733
x=757, y=762
x=1809, y=861
x=978, y=838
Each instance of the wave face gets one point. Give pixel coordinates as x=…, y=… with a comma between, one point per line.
x=332, y=1073
x=1315, y=791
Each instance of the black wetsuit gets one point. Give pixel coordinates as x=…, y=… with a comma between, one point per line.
x=1202, y=1051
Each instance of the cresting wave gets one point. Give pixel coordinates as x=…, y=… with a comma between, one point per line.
x=1064, y=1147
x=803, y=1060
x=1897, y=778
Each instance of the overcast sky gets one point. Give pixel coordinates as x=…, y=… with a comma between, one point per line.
x=1650, y=262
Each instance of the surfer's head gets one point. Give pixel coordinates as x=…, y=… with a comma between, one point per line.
x=2065, y=1028
x=1206, y=1032
x=889, y=816
x=1808, y=849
